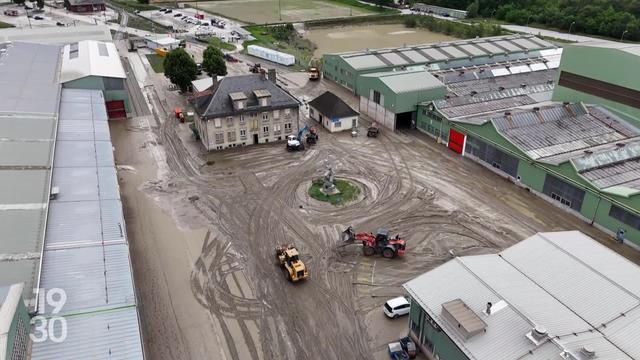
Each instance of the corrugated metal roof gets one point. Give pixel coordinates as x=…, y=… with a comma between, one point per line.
x=555, y=280
x=450, y=51
x=57, y=35
x=112, y=335
x=94, y=58
x=407, y=81
x=86, y=252
x=29, y=98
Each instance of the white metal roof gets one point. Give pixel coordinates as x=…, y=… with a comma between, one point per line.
x=165, y=41
x=580, y=291
x=57, y=35
x=91, y=58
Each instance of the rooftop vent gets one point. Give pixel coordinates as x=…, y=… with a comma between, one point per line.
x=523, y=85
x=507, y=113
x=545, y=61
x=537, y=335
x=488, y=310
x=536, y=109
x=462, y=318
x=620, y=145
x=54, y=193
x=507, y=66
x=549, y=81
x=473, y=93
x=461, y=72
x=481, y=71
x=588, y=352
x=501, y=88
x=588, y=152
x=565, y=103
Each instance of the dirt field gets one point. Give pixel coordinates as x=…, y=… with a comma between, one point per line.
x=266, y=11
x=202, y=236
x=350, y=38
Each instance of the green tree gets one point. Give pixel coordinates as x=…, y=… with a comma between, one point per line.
x=410, y=22
x=180, y=68
x=40, y=4
x=473, y=8
x=213, y=61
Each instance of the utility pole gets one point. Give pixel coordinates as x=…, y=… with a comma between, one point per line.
x=280, y=9
x=623, y=33
x=571, y=26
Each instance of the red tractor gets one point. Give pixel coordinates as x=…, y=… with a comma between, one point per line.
x=378, y=243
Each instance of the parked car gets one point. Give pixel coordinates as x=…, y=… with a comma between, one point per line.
x=60, y=23
x=396, y=307
x=177, y=15
x=137, y=12
x=168, y=11
x=38, y=18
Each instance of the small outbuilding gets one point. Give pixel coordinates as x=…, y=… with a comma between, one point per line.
x=85, y=6
x=168, y=43
x=333, y=113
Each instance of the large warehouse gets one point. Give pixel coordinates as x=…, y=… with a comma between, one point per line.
x=346, y=68
x=581, y=157
x=553, y=296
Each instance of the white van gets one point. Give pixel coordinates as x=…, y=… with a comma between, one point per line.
x=396, y=307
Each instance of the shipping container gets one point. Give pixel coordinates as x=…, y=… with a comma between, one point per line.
x=271, y=55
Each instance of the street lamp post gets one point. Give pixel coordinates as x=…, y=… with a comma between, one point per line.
x=528, y=18
x=571, y=26
x=280, y=9
x=623, y=33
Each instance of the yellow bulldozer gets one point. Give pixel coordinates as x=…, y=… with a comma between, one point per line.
x=288, y=258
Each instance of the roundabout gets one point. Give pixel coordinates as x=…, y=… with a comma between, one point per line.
x=347, y=191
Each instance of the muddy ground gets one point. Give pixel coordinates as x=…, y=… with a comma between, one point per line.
x=202, y=230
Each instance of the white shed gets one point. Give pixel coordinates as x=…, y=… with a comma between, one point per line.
x=168, y=43
x=333, y=113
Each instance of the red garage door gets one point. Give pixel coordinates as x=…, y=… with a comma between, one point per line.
x=456, y=141
x=116, y=110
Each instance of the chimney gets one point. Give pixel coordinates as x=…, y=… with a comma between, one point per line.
x=272, y=75
x=488, y=311
x=263, y=74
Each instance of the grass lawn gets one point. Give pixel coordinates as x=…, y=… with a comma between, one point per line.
x=141, y=23
x=157, y=62
x=221, y=44
x=267, y=11
x=131, y=5
x=302, y=49
x=4, y=25
x=348, y=192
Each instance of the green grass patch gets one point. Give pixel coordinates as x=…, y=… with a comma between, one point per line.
x=4, y=25
x=366, y=7
x=131, y=6
x=216, y=42
x=157, y=62
x=141, y=23
x=301, y=48
x=348, y=192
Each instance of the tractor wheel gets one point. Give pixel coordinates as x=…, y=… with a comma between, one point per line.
x=368, y=250
x=388, y=253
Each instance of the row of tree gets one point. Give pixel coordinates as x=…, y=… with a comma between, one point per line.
x=457, y=29
x=611, y=18
x=181, y=69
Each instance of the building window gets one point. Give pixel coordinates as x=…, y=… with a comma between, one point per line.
x=243, y=134
x=230, y=121
x=240, y=104
x=276, y=114
x=265, y=116
x=287, y=112
x=265, y=130
x=625, y=217
x=287, y=128
x=113, y=83
x=602, y=89
x=220, y=138
x=217, y=123
x=253, y=115
x=231, y=136
x=376, y=97
x=337, y=124
x=311, y=111
x=277, y=129
x=73, y=51
x=242, y=119
x=264, y=101
x=563, y=192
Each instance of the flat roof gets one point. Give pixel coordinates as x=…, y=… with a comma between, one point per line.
x=445, y=51
x=86, y=250
x=57, y=35
x=407, y=81
x=30, y=91
x=582, y=293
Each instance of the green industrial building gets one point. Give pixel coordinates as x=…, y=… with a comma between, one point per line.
x=95, y=65
x=14, y=323
x=392, y=98
x=581, y=156
x=604, y=73
x=346, y=68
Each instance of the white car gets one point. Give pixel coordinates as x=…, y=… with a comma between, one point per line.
x=396, y=307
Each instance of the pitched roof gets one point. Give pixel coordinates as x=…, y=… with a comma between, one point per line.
x=220, y=104
x=332, y=106
x=86, y=2
x=91, y=58
x=583, y=293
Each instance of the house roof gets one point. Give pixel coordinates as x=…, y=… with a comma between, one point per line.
x=445, y=51
x=85, y=2
x=583, y=293
x=219, y=103
x=30, y=93
x=331, y=106
x=91, y=58
x=165, y=41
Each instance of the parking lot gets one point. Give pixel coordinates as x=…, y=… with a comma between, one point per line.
x=48, y=17
x=194, y=22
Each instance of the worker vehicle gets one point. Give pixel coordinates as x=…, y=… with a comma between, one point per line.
x=373, y=130
x=396, y=307
x=162, y=52
x=288, y=258
x=255, y=68
x=378, y=243
x=396, y=352
x=314, y=73
x=11, y=12
x=179, y=114
x=312, y=136
x=295, y=143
